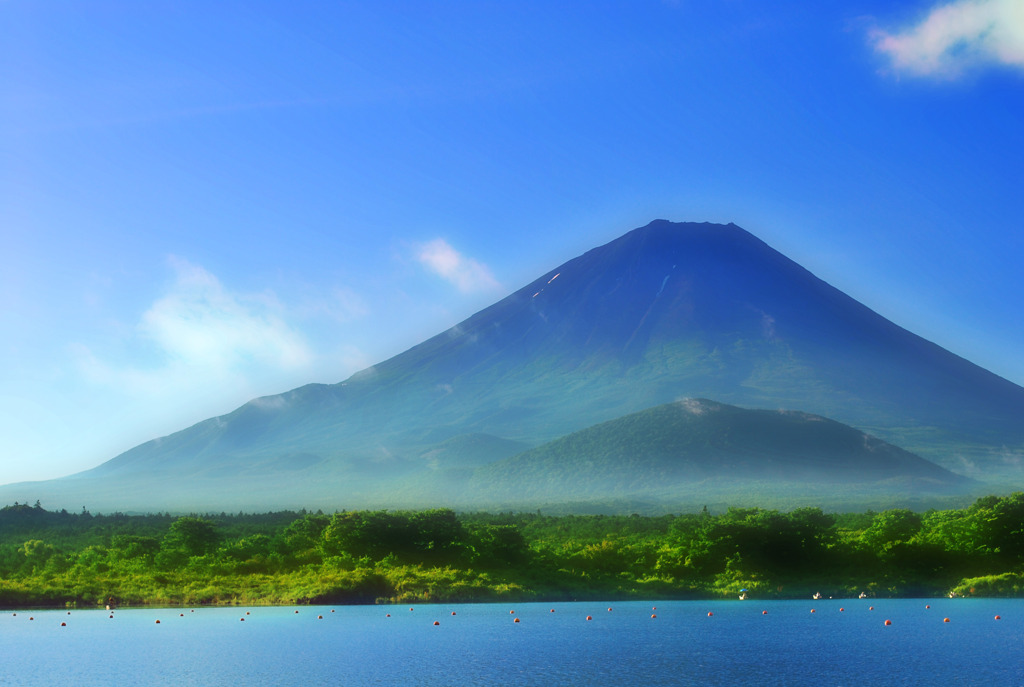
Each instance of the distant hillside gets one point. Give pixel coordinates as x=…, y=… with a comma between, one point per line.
x=664, y=312
x=676, y=447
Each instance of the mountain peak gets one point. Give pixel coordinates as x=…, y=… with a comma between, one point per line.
x=665, y=312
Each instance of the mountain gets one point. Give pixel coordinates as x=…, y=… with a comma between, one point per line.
x=664, y=312
x=682, y=450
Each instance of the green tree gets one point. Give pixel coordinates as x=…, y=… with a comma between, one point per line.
x=1001, y=524
x=134, y=546
x=500, y=546
x=439, y=537
x=432, y=536
x=36, y=553
x=192, y=536
x=302, y=538
x=359, y=534
x=890, y=528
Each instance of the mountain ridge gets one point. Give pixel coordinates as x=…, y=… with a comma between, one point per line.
x=665, y=311
x=706, y=439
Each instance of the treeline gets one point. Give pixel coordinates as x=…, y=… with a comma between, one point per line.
x=49, y=558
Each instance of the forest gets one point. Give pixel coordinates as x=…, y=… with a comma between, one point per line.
x=82, y=559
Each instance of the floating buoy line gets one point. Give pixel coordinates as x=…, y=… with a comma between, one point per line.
x=888, y=622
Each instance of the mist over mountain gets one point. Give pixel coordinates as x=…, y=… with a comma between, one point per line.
x=665, y=312
x=684, y=449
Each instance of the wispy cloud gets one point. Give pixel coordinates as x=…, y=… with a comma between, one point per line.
x=202, y=323
x=956, y=36
x=269, y=402
x=200, y=334
x=465, y=273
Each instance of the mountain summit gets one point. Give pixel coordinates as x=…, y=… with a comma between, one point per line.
x=665, y=312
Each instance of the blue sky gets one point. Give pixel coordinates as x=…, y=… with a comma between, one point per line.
x=201, y=203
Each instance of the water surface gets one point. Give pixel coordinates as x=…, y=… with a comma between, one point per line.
x=842, y=642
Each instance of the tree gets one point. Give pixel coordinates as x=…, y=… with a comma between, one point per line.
x=438, y=536
x=1002, y=524
x=250, y=547
x=500, y=546
x=134, y=546
x=192, y=536
x=362, y=533
x=432, y=536
x=303, y=536
x=890, y=528
x=36, y=552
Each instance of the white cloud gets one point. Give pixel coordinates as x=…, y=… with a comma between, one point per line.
x=956, y=36
x=465, y=273
x=201, y=335
x=694, y=406
x=269, y=402
x=201, y=323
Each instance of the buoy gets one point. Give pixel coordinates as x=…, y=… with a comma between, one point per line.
x=453, y=612
x=241, y=620
x=63, y=624
x=512, y=612
x=888, y=622
x=999, y=617
x=654, y=615
x=654, y=608
x=332, y=610
x=516, y=620
x=192, y=611
x=609, y=610
x=710, y=614
x=296, y=611
x=247, y=612
x=841, y=610
x=945, y=620
x=388, y=615
x=69, y=612
x=812, y=610
x=436, y=622
x=927, y=605
x=552, y=610
x=589, y=618
x=764, y=612
x=157, y=622
x=111, y=615
x=410, y=609
x=871, y=608
x=319, y=617
x=31, y=618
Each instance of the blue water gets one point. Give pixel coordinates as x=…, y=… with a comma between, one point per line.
x=482, y=645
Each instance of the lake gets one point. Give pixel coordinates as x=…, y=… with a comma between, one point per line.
x=842, y=642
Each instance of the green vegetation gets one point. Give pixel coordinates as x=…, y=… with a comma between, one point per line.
x=50, y=558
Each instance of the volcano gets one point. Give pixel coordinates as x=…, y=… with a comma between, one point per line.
x=666, y=312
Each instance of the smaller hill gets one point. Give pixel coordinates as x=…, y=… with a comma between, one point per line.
x=671, y=451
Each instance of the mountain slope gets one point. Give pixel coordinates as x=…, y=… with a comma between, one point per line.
x=664, y=312
x=692, y=444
